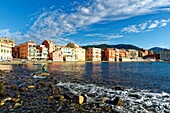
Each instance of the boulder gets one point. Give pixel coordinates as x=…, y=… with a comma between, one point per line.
x=118, y=101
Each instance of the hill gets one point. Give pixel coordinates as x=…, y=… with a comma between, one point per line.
x=118, y=46
x=156, y=49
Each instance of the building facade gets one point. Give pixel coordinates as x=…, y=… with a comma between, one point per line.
x=80, y=54
x=28, y=50
x=56, y=56
x=50, y=45
x=93, y=54
x=6, y=45
x=111, y=54
x=68, y=54
x=165, y=55
x=42, y=52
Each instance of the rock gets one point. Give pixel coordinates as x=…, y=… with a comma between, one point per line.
x=117, y=101
x=17, y=105
x=31, y=87
x=81, y=99
x=15, y=100
x=119, y=88
x=62, y=98
x=23, y=89
x=42, y=74
x=135, y=95
x=14, y=87
x=103, y=100
x=2, y=102
x=8, y=99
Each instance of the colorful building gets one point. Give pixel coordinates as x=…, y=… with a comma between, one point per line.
x=42, y=52
x=111, y=54
x=93, y=54
x=6, y=45
x=56, y=56
x=50, y=45
x=28, y=50
x=143, y=53
x=68, y=54
x=165, y=55
x=80, y=54
x=132, y=53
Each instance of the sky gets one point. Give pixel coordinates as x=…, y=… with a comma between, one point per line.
x=145, y=23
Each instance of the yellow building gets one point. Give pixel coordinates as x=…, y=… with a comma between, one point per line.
x=93, y=54
x=6, y=45
x=80, y=54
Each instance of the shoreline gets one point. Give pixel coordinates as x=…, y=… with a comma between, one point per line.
x=40, y=62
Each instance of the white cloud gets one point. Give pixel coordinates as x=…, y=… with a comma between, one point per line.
x=54, y=24
x=99, y=42
x=146, y=26
x=6, y=33
x=107, y=36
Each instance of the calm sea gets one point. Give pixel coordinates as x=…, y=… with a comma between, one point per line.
x=153, y=76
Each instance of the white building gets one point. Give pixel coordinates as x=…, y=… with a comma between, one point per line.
x=165, y=55
x=6, y=45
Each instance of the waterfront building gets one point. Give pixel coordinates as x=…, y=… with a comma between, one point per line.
x=15, y=52
x=28, y=50
x=42, y=52
x=6, y=45
x=79, y=53
x=68, y=54
x=165, y=55
x=111, y=54
x=93, y=54
x=50, y=45
x=143, y=53
x=56, y=56
x=133, y=54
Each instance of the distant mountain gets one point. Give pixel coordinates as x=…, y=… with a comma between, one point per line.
x=118, y=46
x=156, y=49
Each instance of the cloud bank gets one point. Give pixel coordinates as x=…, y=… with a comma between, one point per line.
x=58, y=24
x=146, y=26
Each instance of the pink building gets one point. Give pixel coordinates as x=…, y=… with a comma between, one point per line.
x=56, y=56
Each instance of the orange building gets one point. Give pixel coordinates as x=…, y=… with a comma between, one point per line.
x=123, y=53
x=93, y=54
x=27, y=50
x=111, y=54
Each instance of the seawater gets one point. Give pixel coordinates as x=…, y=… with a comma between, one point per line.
x=154, y=76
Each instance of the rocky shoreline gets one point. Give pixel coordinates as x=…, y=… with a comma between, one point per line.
x=57, y=94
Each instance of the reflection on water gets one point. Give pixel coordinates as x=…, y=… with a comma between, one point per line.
x=68, y=68
x=6, y=67
x=155, y=76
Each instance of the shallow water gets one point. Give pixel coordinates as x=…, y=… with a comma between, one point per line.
x=153, y=76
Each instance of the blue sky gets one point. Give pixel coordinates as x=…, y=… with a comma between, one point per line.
x=143, y=23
